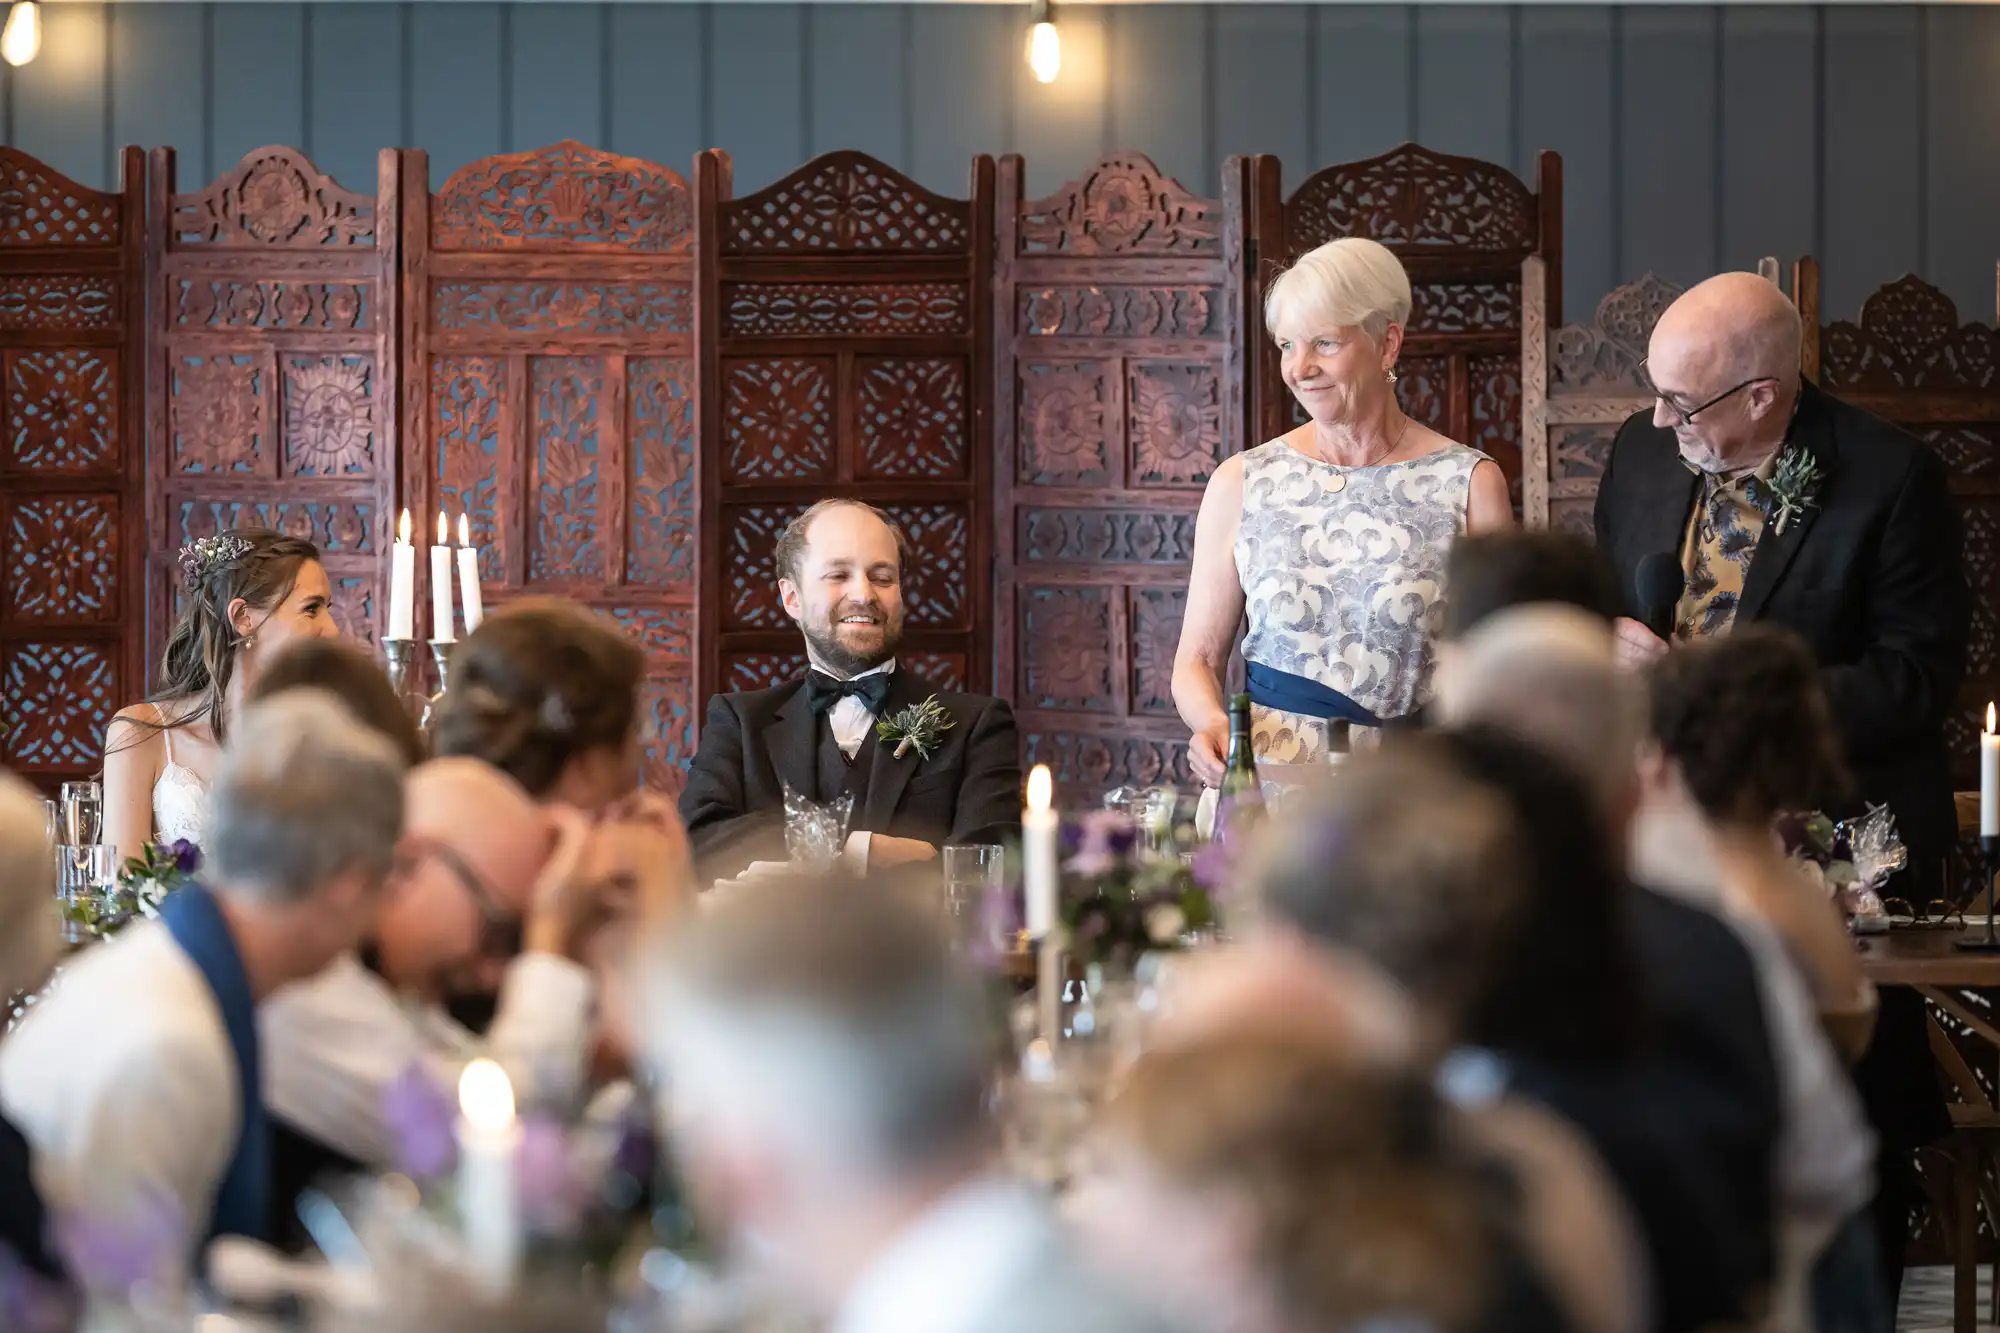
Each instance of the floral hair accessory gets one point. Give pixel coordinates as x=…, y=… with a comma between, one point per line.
x=201, y=558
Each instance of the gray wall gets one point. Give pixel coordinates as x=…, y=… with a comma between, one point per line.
x=1694, y=137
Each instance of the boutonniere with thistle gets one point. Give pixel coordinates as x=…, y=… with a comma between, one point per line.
x=920, y=727
x=1792, y=490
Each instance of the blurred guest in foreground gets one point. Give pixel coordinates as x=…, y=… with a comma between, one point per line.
x=1331, y=539
x=829, y=1064
x=350, y=675
x=840, y=577
x=138, y=1079
x=29, y=945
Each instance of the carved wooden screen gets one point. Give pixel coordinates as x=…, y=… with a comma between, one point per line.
x=850, y=358
x=72, y=475
x=1461, y=228
x=1118, y=316
x=549, y=356
x=272, y=370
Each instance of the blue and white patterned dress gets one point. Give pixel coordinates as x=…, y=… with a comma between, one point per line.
x=1343, y=578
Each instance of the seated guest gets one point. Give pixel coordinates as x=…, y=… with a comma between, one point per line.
x=830, y=1065
x=351, y=676
x=137, y=1080
x=840, y=567
x=28, y=948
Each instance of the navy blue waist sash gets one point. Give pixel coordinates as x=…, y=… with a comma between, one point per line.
x=1272, y=688
x=242, y=1203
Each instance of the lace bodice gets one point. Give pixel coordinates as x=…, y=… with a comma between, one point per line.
x=180, y=804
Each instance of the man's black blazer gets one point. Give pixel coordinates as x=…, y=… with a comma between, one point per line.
x=1870, y=576
x=969, y=790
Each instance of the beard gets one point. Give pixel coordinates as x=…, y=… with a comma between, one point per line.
x=1700, y=457
x=823, y=637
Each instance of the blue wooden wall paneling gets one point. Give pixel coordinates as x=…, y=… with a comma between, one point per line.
x=1262, y=54
x=859, y=77
x=354, y=107
x=756, y=89
x=1568, y=103
x=1465, y=80
x=1364, y=85
x=658, y=84
x=1872, y=225
x=962, y=60
x=60, y=98
x=1060, y=128
x=1962, y=168
x=154, y=50
x=1159, y=70
x=556, y=82
x=1770, y=141
x=257, y=64
x=456, y=84
x=1668, y=158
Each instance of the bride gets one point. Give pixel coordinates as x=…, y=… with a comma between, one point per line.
x=249, y=592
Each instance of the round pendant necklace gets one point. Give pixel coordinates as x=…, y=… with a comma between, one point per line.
x=1338, y=482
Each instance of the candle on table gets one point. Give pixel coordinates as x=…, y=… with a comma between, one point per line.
x=403, y=583
x=489, y=1197
x=1989, y=779
x=468, y=575
x=441, y=584
x=1039, y=827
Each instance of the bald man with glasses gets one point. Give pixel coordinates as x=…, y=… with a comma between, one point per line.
x=1781, y=504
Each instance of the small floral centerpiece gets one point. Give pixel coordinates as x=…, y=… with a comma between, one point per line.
x=1850, y=861
x=143, y=884
x=1120, y=900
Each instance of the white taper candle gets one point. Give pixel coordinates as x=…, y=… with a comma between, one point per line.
x=468, y=576
x=403, y=583
x=489, y=1190
x=441, y=585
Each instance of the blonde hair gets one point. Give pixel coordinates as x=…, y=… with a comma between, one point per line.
x=1349, y=283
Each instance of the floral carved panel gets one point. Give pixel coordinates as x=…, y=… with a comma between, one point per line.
x=1413, y=197
x=63, y=558
x=749, y=560
x=1603, y=356
x=944, y=670
x=937, y=579
x=1969, y=449
x=912, y=416
x=777, y=419
x=354, y=609
x=564, y=197
x=610, y=309
x=564, y=397
x=39, y=206
x=820, y=309
x=1909, y=337
x=1094, y=764
x=467, y=392
x=1980, y=534
x=662, y=631
x=1123, y=205
x=274, y=197
x=1176, y=421
x=1065, y=638
x=62, y=408
x=337, y=527
x=1113, y=536
x=666, y=732
x=224, y=303
x=56, y=699
x=660, y=399
x=215, y=413
x=1423, y=388
x=845, y=201
x=760, y=671
x=1119, y=312
x=329, y=412
x=1065, y=425
x=1496, y=408
x=1156, y=634
x=61, y=301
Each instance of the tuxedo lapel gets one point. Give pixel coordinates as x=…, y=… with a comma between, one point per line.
x=792, y=741
x=888, y=775
x=1775, y=550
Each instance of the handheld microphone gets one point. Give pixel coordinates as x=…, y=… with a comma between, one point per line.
x=1659, y=583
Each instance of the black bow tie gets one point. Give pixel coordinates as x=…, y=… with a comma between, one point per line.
x=824, y=691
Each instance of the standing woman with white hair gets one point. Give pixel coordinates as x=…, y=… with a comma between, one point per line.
x=1332, y=538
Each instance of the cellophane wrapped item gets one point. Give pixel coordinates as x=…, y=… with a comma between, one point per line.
x=816, y=832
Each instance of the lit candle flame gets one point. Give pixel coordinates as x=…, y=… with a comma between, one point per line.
x=403, y=529
x=485, y=1096
x=465, y=529
x=1041, y=788
x=1989, y=719
x=444, y=529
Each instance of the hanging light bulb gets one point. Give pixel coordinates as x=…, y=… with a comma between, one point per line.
x=1044, y=44
x=22, y=37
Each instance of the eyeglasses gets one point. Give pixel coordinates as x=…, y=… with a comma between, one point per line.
x=500, y=931
x=1688, y=414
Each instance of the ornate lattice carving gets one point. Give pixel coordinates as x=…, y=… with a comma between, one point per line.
x=224, y=303
x=1574, y=517
x=563, y=197
x=1124, y=205
x=1086, y=766
x=666, y=732
x=354, y=609
x=62, y=408
x=820, y=309
x=937, y=578
x=1156, y=634
x=337, y=527
x=1603, y=356
x=58, y=699
x=664, y=631
x=1119, y=312
x=216, y=412
x=1581, y=452
x=944, y=670
x=468, y=391
x=777, y=418
x=750, y=579
x=661, y=541
x=39, y=206
x=845, y=201
x=1064, y=433
x=1422, y=387
x=1411, y=196
x=63, y=558
x=1065, y=643
x=1496, y=405
x=1113, y=536
x=1909, y=337
x=760, y=671
x=1968, y=449
x=1465, y=307
x=1176, y=431
x=612, y=309
x=329, y=415
x=274, y=197
x=912, y=416
x=566, y=392
x=60, y=301
x=1981, y=546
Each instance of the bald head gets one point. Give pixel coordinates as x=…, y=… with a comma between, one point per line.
x=1282, y=987
x=486, y=818
x=1737, y=325
x=1549, y=675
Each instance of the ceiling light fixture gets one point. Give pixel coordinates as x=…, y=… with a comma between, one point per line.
x=22, y=37
x=1044, y=44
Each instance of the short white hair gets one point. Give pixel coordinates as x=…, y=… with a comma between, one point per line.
x=1349, y=283
x=29, y=941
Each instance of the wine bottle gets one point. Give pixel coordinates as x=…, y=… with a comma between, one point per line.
x=1240, y=786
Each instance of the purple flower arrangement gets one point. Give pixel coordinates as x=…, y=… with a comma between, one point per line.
x=1120, y=899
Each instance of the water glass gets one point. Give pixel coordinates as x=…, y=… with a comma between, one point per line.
x=82, y=813
x=52, y=815
x=971, y=872
x=85, y=876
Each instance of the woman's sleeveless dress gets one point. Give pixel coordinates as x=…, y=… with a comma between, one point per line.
x=1343, y=579
x=180, y=800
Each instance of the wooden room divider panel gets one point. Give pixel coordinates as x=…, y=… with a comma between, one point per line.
x=72, y=471
x=851, y=357
x=1461, y=228
x=550, y=360
x=1119, y=318
x=272, y=369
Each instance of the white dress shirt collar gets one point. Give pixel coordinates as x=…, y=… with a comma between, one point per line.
x=945, y=1271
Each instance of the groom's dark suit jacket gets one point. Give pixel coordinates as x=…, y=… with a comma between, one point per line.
x=968, y=791
x=1870, y=576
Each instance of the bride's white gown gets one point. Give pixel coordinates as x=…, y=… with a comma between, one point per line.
x=180, y=800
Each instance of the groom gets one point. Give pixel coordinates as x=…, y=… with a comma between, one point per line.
x=840, y=576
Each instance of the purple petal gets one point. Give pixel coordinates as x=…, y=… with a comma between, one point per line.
x=423, y=1119
x=187, y=856
x=117, y=1253
x=552, y=1196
